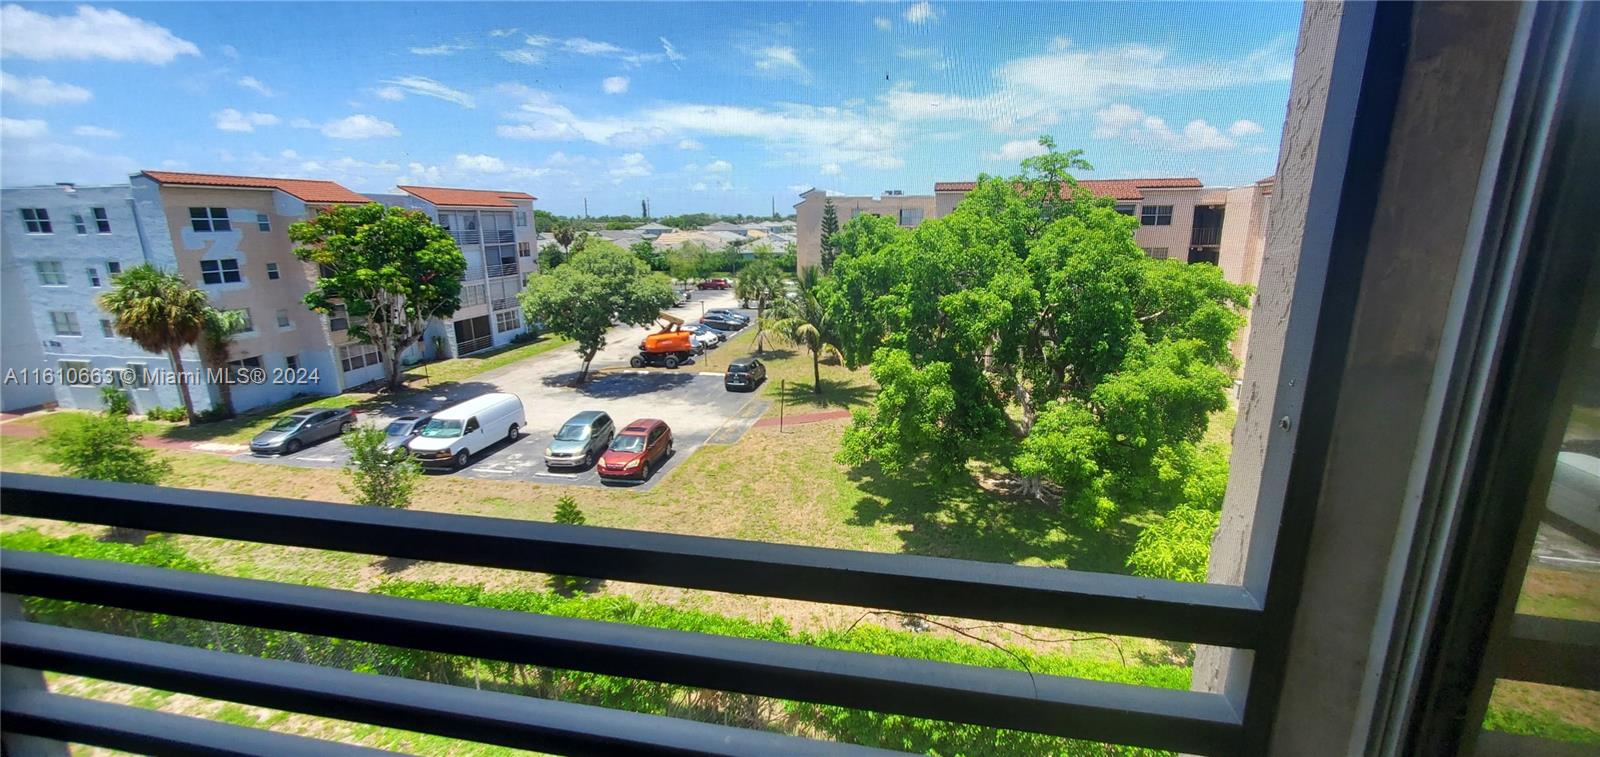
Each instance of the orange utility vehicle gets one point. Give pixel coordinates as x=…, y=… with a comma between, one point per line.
x=668, y=347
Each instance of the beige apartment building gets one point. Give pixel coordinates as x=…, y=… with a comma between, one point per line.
x=907, y=210
x=229, y=235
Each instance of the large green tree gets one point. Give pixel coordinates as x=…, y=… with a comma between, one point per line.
x=649, y=254
x=599, y=286
x=830, y=227
x=160, y=312
x=393, y=269
x=1029, y=328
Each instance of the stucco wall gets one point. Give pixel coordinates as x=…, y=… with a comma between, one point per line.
x=808, y=217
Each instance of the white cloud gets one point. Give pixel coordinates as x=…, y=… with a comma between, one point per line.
x=718, y=166
x=37, y=161
x=524, y=56
x=441, y=49
x=922, y=12
x=698, y=186
x=390, y=93
x=231, y=119
x=781, y=60
x=23, y=128
x=631, y=166
x=359, y=126
x=502, y=32
x=422, y=85
x=229, y=51
x=929, y=55
x=1059, y=43
x=883, y=23
x=689, y=144
x=584, y=46
x=38, y=90
x=1016, y=150
x=615, y=85
x=669, y=50
x=89, y=34
x=1133, y=124
x=480, y=163
x=96, y=132
x=251, y=82
x=1244, y=128
x=798, y=188
x=830, y=169
x=289, y=155
x=1031, y=93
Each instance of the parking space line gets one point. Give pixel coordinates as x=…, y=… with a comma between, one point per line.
x=548, y=474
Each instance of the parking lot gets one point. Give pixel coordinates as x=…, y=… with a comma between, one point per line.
x=691, y=400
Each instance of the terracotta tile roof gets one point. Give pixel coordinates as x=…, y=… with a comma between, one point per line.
x=492, y=198
x=1116, y=189
x=309, y=190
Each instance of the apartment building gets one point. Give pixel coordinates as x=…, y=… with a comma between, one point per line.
x=63, y=245
x=907, y=210
x=497, y=233
x=229, y=237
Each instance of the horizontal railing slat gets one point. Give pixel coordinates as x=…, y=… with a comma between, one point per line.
x=452, y=711
x=1170, y=610
x=130, y=729
x=1141, y=716
x=1553, y=651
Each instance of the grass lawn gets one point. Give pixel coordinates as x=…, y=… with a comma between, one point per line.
x=789, y=378
x=239, y=430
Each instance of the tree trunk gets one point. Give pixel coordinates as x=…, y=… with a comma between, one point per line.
x=225, y=389
x=583, y=373
x=816, y=373
x=1031, y=486
x=183, y=382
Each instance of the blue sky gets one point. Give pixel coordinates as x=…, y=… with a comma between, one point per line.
x=717, y=107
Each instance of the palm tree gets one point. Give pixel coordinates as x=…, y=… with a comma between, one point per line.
x=761, y=280
x=800, y=320
x=216, y=345
x=564, y=233
x=160, y=312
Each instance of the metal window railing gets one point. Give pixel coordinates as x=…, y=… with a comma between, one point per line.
x=469, y=346
x=502, y=269
x=1160, y=718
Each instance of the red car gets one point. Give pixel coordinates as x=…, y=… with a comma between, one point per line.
x=637, y=450
x=716, y=284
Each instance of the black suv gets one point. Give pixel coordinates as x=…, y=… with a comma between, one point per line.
x=745, y=373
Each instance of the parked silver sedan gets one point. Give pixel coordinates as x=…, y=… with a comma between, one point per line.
x=294, y=431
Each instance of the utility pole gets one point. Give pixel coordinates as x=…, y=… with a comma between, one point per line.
x=585, y=207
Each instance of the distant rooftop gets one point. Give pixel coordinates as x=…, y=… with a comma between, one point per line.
x=1116, y=189
x=492, y=198
x=309, y=190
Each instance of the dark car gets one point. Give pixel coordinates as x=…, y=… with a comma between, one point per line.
x=637, y=450
x=744, y=374
x=402, y=430
x=581, y=440
x=721, y=323
x=294, y=431
x=732, y=315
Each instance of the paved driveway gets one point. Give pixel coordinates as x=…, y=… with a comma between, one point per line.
x=692, y=401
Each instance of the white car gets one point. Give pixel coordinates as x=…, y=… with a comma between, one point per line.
x=705, y=340
x=449, y=440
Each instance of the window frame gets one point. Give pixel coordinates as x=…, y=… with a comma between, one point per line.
x=68, y=319
x=102, y=220
x=222, y=268
x=56, y=278
x=1155, y=215
x=210, y=219
x=79, y=224
x=273, y=274
x=36, y=221
x=263, y=222
x=93, y=274
x=113, y=268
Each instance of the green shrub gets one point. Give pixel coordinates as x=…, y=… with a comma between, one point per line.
x=104, y=447
x=116, y=401
x=379, y=476
x=174, y=414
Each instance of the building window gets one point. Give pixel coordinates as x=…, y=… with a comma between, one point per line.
x=113, y=268
x=292, y=362
x=522, y=218
x=507, y=320
x=36, y=220
x=135, y=371
x=272, y=271
x=1156, y=215
x=246, y=324
x=94, y=276
x=283, y=319
x=263, y=222
x=75, y=372
x=106, y=329
x=1159, y=253
x=102, y=222
x=910, y=216
x=65, y=323
x=78, y=224
x=1126, y=208
x=525, y=249
x=51, y=273
x=224, y=271
x=339, y=319
x=354, y=357
x=209, y=219
x=240, y=368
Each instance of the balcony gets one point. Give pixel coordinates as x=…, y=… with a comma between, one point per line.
x=499, y=270
x=476, y=344
x=1205, y=236
x=504, y=303
x=465, y=236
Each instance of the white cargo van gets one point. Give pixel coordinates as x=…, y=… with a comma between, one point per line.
x=449, y=440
